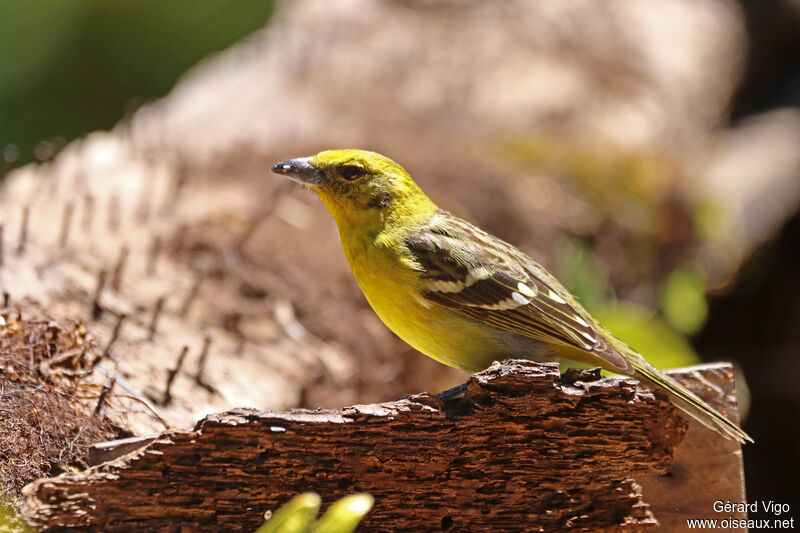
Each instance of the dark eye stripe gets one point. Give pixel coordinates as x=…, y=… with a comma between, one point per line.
x=351, y=172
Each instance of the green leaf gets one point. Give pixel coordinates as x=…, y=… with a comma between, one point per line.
x=297, y=516
x=10, y=521
x=649, y=335
x=344, y=515
x=582, y=273
x=684, y=300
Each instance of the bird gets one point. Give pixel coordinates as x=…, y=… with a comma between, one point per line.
x=456, y=293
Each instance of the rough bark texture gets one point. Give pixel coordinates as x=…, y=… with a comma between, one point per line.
x=706, y=468
x=517, y=447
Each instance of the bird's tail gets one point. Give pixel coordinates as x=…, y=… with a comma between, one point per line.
x=620, y=358
x=687, y=401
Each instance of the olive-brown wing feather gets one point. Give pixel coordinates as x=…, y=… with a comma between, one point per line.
x=482, y=277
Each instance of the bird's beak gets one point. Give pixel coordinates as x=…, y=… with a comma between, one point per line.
x=300, y=170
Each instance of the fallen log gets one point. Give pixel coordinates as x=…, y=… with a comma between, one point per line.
x=518, y=447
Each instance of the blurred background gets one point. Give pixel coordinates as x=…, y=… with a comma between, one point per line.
x=646, y=153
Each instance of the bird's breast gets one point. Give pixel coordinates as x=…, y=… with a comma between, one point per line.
x=392, y=288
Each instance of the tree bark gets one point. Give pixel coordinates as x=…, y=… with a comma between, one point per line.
x=517, y=447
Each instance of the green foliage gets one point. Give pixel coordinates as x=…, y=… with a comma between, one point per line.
x=635, y=195
x=612, y=179
x=9, y=521
x=73, y=67
x=684, y=300
x=648, y=334
x=581, y=272
x=660, y=340
x=300, y=515
x=344, y=515
x=711, y=222
x=297, y=516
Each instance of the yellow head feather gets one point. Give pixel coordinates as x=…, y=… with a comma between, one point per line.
x=368, y=191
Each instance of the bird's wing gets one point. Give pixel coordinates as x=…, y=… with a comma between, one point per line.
x=480, y=276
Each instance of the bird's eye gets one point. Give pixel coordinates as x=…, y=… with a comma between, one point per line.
x=351, y=172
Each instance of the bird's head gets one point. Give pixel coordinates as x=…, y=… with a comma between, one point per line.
x=360, y=188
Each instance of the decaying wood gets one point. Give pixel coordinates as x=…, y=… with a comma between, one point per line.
x=706, y=468
x=518, y=447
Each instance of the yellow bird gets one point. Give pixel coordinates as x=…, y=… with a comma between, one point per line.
x=457, y=293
